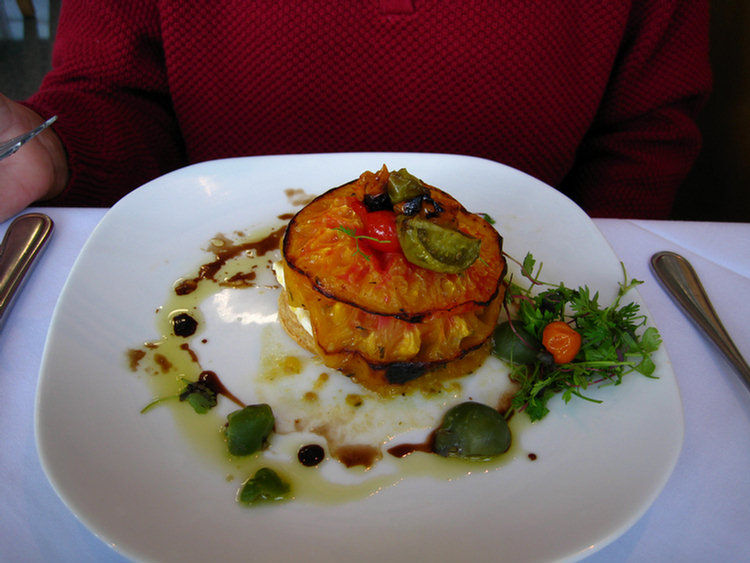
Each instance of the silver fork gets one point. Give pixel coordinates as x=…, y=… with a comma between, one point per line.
x=8, y=148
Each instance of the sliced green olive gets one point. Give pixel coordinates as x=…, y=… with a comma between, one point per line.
x=402, y=186
x=248, y=429
x=472, y=431
x=434, y=247
x=264, y=486
x=514, y=344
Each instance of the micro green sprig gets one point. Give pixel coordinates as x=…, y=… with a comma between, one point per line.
x=352, y=233
x=198, y=394
x=615, y=339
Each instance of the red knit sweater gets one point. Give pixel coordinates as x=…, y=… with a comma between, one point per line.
x=597, y=98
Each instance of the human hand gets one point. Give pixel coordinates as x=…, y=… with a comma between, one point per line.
x=39, y=170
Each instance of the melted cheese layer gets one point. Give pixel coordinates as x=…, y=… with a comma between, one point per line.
x=302, y=314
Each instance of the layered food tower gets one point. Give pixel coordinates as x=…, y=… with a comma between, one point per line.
x=392, y=282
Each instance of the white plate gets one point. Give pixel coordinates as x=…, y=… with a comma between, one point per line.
x=136, y=484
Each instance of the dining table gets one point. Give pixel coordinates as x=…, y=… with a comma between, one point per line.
x=701, y=514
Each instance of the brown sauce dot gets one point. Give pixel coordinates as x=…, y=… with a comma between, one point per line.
x=354, y=400
x=402, y=450
x=134, y=358
x=357, y=454
x=193, y=356
x=241, y=279
x=185, y=287
x=214, y=383
x=164, y=364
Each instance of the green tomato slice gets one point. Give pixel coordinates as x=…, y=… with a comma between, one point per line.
x=435, y=247
x=403, y=186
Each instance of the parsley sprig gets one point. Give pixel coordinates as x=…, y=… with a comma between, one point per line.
x=615, y=340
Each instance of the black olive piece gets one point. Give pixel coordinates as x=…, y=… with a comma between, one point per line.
x=412, y=206
x=401, y=372
x=184, y=325
x=431, y=208
x=311, y=455
x=379, y=202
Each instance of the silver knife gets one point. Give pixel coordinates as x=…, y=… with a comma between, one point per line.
x=25, y=238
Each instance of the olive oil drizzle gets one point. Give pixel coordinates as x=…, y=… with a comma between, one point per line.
x=172, y=360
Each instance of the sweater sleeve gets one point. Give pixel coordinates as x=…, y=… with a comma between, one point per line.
x=644, y=139
x=108, y=87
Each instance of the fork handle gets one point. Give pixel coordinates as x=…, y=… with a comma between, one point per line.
x=680, y=279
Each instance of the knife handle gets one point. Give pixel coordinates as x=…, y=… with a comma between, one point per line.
x=25, y=238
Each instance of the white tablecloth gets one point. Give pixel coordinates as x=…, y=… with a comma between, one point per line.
x=702, y=515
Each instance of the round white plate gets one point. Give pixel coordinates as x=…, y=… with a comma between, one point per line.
x=137, y=484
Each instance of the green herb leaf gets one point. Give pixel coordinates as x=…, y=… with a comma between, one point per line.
x=528, y=265
x=265, y=486
x=248, y=429
x=200, y=396
x=650, y=340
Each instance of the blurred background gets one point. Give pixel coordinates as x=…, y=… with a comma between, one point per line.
x=718, y=188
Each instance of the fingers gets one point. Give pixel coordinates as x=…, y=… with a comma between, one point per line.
x=38, y=170
x=16, y=119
